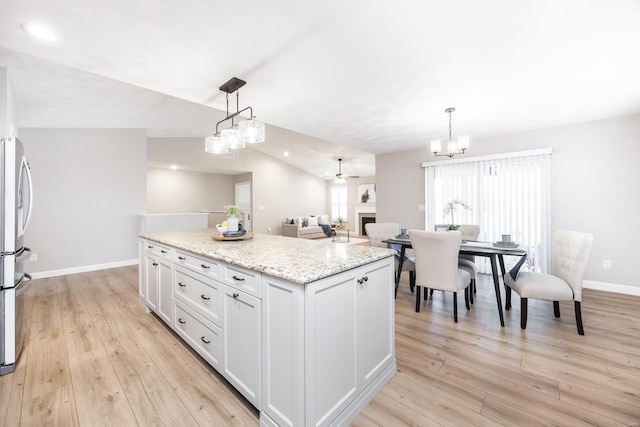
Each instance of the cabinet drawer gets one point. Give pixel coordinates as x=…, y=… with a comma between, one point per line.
x=208, y=267
x=201, y=335
x=198, y=292
x=158, y=250
x=242, y=279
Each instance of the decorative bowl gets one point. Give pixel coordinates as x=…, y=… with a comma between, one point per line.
x=221, y=229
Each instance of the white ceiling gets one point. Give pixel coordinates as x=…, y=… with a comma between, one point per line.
x=332, y=78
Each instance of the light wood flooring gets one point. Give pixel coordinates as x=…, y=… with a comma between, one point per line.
x=94, y=358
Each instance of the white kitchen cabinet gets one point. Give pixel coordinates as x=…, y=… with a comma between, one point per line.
x=202, y=335
x=241, y=342
x=328, y=346
x=158, y=280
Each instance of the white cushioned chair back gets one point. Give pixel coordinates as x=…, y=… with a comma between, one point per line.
x=379, y=231
x=469, y=231
x=436, y=258
x=570, y=255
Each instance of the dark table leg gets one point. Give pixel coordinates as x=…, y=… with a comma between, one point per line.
x=399, y=269
x=496, y=283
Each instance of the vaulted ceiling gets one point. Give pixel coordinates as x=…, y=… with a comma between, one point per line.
x=351, y=79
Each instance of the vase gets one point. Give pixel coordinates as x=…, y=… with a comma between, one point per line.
x=232, y=223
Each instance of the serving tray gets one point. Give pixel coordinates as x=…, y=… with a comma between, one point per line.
x=220, y=237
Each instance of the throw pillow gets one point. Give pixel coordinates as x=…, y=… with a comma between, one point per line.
x=313, y=221
x=305, y=221
x=323, y=219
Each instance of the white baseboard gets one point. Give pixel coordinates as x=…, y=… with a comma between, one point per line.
x=83, y=269
x=611, y=287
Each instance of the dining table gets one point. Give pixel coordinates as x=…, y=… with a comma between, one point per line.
x=494, y=251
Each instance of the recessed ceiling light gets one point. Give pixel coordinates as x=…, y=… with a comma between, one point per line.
x=286, y=154
x=39, y=32
x=174, y=167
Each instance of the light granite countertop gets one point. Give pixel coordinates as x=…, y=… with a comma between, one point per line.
x=297, y=260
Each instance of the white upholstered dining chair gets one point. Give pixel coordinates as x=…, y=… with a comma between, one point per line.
x=379, y=231
x=436, y=259
x=570, y=255
x=470, y=232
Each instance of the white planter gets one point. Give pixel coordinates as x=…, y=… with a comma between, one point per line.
x=232, y=223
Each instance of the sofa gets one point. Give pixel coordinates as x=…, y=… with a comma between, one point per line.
x=307, y=227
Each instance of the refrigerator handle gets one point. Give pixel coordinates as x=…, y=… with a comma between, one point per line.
x=24, y=223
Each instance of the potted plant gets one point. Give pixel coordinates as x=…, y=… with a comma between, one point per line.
x=450, y=207
x=234, y=214
x=340, y=221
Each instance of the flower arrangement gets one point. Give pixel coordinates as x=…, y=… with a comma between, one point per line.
x=449, y=209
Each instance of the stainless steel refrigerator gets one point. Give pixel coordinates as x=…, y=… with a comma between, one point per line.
x=15, y=213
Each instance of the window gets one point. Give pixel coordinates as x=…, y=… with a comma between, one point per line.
x=507, y=194
x=339, y=202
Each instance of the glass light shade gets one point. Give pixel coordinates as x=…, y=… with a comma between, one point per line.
x=230, y=138
x=463, y=142
x=436, y=146
x=452, y=148
x=340, y=180
x=214, y=145
x=251, y=131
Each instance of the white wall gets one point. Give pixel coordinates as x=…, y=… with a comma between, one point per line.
x=595, y=177
x=89, y=188
x=279, y=189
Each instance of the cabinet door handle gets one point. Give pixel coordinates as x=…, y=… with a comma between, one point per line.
x=360, y=281
x=235, y=296
x=181, y=320
x=364, y=279
x=239, y=279
x=155, y=264
x=164, y=252
x=205, y=266
x=205, y=297
x=182, y=285
x=204, y=340
x=149, y=247
x=181, y=258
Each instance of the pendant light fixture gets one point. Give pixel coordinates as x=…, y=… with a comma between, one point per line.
x=237, y=135
x=454, y=147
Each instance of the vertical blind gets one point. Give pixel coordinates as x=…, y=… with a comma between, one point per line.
x=507, y=194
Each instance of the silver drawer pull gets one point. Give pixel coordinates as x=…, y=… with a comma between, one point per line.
x=181, y=258
x=164, y=252
x=182, y=285
x=149, y=247
x=235, y=296
x=204, y=340
x=205, y=298
x=181, y=320
x=205, y=266
x=239, y=279
x=155, y=264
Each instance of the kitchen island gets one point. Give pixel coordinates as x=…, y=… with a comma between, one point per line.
x=303, y=329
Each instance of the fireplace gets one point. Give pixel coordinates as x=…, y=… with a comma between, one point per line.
x=366, y=219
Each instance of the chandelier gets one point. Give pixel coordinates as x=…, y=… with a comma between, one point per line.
x=236, y=136
x=454, y=147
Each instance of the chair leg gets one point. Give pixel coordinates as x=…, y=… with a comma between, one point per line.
x=426, y=294
x=467, y=297
x=418, y=299
x=412, y=280
x=579, y=317
x=471, y=286
x=556, y=308
x=507, y=292
x=431, y=292
x=455, y=307
x=523, y=313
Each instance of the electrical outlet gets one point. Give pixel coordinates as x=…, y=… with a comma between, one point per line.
x=34, y=257
x=606, y=264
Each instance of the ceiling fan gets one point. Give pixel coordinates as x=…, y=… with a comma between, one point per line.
x=340, y=177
